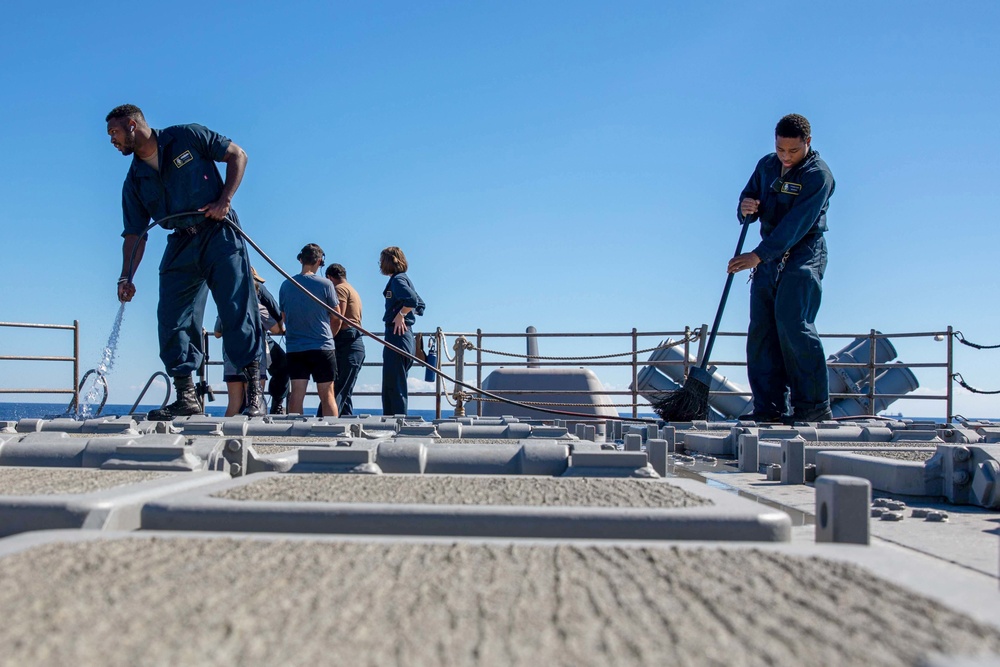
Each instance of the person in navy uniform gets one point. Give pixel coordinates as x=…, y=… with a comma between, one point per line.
x=173, y=171
x=402, y=305
x=789, y=193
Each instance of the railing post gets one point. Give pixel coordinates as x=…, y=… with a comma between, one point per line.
x=950, y=395
x=871, y=371
x=460, y=344
x=76, y=363
x=635, y=374
x=438, y=385
x=687, y=349
x=532, y=347
x=479, y=368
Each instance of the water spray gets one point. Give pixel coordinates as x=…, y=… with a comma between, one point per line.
x=107, y=363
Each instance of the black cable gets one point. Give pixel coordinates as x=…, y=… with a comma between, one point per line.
x=961, y=339
x=960, y=380
x=401, y=352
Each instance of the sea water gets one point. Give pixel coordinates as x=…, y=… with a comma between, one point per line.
x=98, y=379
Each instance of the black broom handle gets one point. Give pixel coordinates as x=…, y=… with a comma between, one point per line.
x=725, y=295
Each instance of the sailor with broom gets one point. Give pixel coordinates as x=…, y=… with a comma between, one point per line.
x=789, y=193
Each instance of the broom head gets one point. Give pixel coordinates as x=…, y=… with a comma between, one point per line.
x=690, y=402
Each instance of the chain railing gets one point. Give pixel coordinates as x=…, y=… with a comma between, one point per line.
x=481, y=352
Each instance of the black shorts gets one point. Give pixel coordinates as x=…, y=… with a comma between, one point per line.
x=320, y=364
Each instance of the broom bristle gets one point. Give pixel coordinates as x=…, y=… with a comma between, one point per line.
x=689, y=403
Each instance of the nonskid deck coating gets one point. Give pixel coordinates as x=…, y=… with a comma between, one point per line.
x=53, y=481
x=297, y=602
x=858, y=444
x=467, y=490
x=899, y=456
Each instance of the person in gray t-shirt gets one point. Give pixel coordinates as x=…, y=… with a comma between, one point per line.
x=309, y=332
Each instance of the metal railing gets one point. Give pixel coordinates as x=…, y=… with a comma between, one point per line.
x=74, y=387
x=633, y=355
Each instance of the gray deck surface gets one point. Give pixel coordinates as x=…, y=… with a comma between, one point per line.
x=51, y=481
x=467, y=490
x=900, y=456
x=188, y=601
x=856, y=444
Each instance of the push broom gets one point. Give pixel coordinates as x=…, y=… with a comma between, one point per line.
x=690, y=402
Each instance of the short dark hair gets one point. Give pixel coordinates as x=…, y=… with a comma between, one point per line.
x=392, y=261
x=336, y=271
x=793, y=126
x=125, y=111
x=311, y=253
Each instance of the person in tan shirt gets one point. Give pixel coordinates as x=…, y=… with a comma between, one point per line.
x=350, y=344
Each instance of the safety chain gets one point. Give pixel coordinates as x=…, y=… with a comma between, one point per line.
x=961, y=339
x=960, y=380
x=559, y=405
x=687, y=339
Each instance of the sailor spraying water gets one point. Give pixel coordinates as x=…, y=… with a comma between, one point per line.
x=173, y=170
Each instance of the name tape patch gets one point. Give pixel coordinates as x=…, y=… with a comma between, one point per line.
x=182, y=159
x=791, y=188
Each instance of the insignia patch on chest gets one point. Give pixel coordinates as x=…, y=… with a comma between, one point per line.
x=182, y=159
x=791, y=188
x=388, y=294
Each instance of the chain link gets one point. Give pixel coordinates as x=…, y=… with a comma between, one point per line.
x=557, y=405
x=687, y=339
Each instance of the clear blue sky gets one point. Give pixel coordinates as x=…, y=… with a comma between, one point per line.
x=569, y=165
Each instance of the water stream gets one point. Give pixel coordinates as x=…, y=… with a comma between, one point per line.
x=98, y=380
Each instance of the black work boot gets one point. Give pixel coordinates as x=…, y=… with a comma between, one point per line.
x=254, y=395
x=185, y=405
x=819, y=414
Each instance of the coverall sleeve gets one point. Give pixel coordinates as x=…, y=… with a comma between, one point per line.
x=406, y=295
x=753, y=190
x=267, y=300
x=816, y=191
x=207, y=142
x=134, y=213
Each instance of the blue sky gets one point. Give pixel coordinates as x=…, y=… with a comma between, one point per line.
x=568, y=165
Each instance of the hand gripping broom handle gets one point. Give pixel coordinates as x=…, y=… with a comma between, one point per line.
x=725, y=295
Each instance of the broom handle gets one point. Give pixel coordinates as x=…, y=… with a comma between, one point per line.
x=725, y=295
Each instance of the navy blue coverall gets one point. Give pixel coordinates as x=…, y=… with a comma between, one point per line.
x=785, y=359
x=399, y=293
x=202, y=255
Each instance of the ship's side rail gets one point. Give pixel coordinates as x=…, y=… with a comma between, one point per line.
x=468, y=354
x=74, y=388
x=637, y=343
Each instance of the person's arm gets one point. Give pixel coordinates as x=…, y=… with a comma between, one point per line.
x=750, y=196
x=236, y=164
x=126, y=288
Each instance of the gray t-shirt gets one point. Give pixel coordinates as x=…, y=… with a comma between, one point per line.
x=307, y=324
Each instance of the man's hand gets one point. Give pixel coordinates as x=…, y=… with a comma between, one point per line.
x=216, y=210
x=747, y=260
x=126, y=290
x=749, y=206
